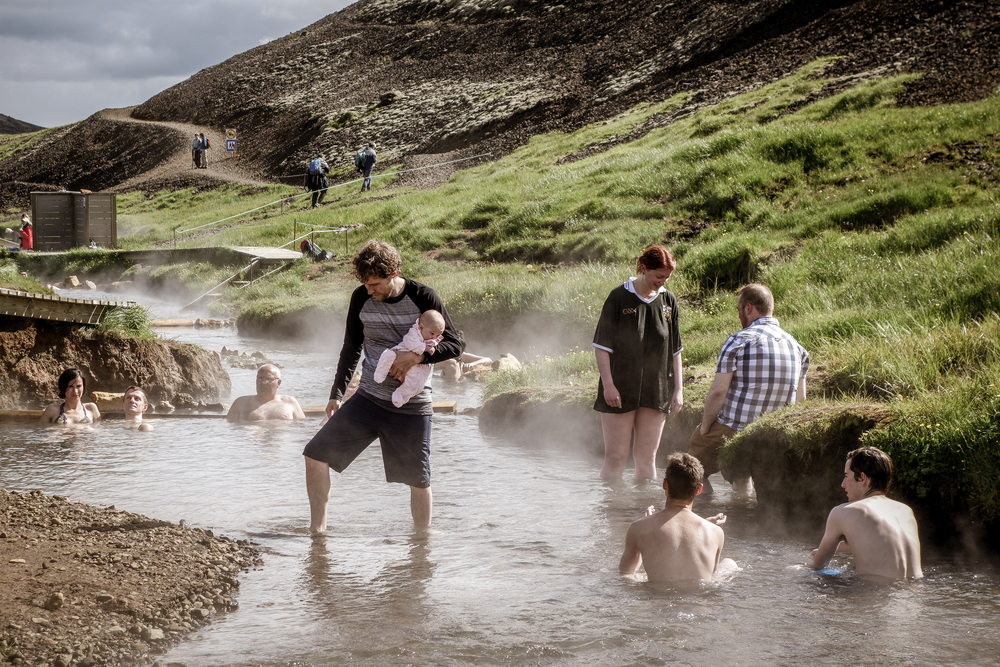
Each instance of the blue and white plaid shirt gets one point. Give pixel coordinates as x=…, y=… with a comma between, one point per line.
x=766, y=363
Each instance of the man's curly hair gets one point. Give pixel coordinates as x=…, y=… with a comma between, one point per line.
x=377, y=259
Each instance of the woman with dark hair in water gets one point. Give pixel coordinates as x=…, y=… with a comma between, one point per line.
x=72, y=410
x=638, y=349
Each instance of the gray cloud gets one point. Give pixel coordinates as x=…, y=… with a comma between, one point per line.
x=63, y=61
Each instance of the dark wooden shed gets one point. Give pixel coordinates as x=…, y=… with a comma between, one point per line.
x=64, y=220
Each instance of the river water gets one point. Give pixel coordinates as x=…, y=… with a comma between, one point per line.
x=520, y=567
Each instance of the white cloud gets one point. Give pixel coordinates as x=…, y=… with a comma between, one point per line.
x=63, y=60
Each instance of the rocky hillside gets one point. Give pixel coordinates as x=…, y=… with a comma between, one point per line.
x=447, y=78
x=10, y=125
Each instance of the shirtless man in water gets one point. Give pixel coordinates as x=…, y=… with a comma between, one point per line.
x=675, y=544
x=134, y=405
x=268, y=404
x=881, y=533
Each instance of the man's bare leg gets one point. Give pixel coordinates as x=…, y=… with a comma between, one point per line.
x=617, y=442
x=648, y=429
x=742, y=486
x=318, y=488
x=421, y=504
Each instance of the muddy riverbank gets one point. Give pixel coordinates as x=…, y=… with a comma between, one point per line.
x=81, y=585
x=33, y=354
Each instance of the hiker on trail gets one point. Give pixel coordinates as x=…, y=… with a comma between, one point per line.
x=27, y=233
x=881, y=533
x=205, y=145
x=196, y=151
x=760, y=369
x=267, y=404
x=381, y=312
x=368, y=160
x=675, y=544
x=638, y=350
x=316, y=179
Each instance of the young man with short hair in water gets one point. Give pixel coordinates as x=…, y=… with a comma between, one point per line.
x=676, y=545
x=881, y=533
x=134, y=405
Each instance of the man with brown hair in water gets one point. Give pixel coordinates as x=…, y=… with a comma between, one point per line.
x=675, y=544
x=134, y=405
x=881, y=533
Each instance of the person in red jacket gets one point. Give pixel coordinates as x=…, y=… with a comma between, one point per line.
x=27, y=237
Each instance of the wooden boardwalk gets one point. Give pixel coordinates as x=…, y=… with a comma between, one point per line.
x=267, y=256
x=15, y=303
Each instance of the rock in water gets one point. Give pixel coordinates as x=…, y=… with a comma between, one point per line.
x=506, y=362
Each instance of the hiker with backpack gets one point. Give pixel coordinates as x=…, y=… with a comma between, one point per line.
x=196, y=151
x=205, y=145
x=316, y=179
x=365, y=162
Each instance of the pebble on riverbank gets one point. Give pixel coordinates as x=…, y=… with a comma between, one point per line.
x=83, y=586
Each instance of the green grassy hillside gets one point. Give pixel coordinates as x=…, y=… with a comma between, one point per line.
x=876, y=227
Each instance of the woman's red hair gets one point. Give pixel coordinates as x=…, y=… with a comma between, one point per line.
x=656, y=257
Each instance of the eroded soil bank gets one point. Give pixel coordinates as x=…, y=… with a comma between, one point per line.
x=34, y=354
x=80, y=585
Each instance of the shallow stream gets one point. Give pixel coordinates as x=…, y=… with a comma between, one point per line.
x=520, y=567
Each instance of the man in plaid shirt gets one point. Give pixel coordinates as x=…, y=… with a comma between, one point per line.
x=761, y=368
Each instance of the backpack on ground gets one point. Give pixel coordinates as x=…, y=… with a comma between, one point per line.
x=316, y=166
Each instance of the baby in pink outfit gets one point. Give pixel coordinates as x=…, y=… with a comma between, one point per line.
x=422, y=337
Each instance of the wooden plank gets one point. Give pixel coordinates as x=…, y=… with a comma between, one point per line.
x=172, y=323
x=440, y=407
x=20, y=415
x=445, y=407
x=35, y=415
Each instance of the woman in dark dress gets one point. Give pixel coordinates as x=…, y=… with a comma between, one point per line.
x=638, y=348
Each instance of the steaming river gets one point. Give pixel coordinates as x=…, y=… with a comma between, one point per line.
x=520, y=568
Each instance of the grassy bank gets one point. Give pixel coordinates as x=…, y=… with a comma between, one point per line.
x=876, y=227
x=11, y=278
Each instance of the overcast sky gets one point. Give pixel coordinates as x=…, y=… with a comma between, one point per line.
x=62, y=60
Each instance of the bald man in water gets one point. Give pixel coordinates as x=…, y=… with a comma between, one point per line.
x=881, y=533
x=268, y=404
x=676, y=545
